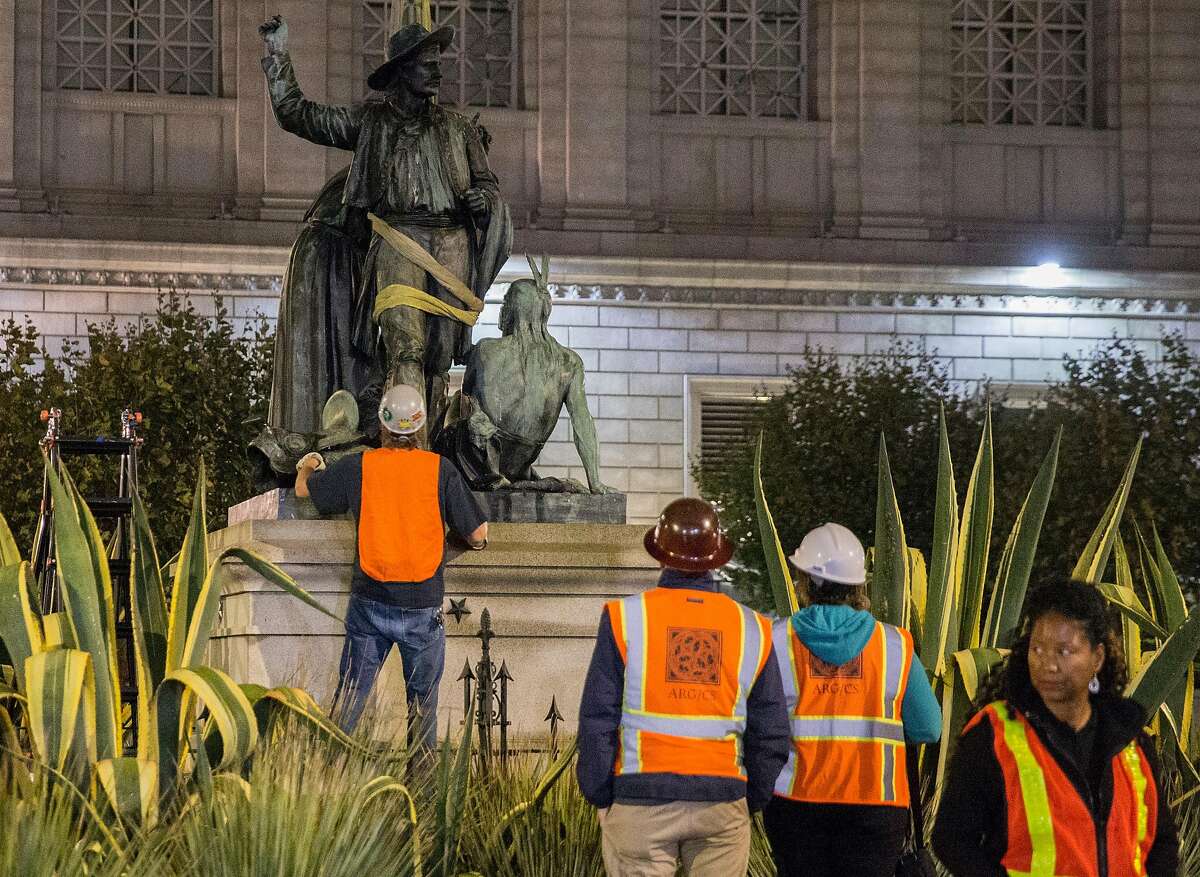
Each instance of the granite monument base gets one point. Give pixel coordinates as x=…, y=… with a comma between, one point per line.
x=543, y=584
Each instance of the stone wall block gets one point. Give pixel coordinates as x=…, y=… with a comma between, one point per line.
x=974, y=325
x=1042, y=327
x=748, y=364
x=807, y=321
x=734, y=342
x=627, y=361
x=687, y=318
x=600, y=339
x=629, y=316
x=757, y=319
x=1012, y=348
x=658, y=339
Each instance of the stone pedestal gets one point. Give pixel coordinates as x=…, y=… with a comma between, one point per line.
x=544, y=585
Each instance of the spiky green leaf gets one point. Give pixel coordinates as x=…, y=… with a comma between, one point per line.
x=228, y=709
x=20, y=626
x=782, y=588
x=1012, y=577
x=889, y=566
x=937, y=629
x=1169, y=667
x=1094, y=559
x=88, y=600
x=974, y=539
x=149, y=617
x=131, y=788
x=191, y=573
x=61, y=689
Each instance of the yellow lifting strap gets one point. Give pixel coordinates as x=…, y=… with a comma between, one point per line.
x=398, y=294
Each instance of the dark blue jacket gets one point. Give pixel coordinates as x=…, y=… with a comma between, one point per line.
x=765, y=742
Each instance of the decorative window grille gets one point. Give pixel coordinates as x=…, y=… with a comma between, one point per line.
x=477, y=68
x=1021, y=62
x=727, y=424
x=732, y=58
x=151, y=46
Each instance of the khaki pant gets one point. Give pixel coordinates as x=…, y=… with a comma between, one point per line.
x=711, y=838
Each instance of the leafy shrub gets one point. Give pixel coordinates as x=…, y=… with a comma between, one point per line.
x=200, y=385
x=821, y=440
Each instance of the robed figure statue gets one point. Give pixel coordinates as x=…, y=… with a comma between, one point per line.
x=389, y=275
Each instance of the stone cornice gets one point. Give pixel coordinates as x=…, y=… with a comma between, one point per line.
x=271, y=284
x=684, y=282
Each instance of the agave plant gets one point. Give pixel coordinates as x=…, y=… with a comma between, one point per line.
x=959, y=642
x=63, y=671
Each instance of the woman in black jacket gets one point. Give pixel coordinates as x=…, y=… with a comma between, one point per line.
x=1055, y=775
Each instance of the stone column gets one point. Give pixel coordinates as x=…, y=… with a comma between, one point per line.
x=1174, y=123
x=26, y=76
x=8, y=108
x=597, y=135
x=295, y=169
x=1133, y=106
x=253, y=112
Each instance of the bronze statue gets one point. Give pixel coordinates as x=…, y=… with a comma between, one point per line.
x=425, y=232
x=514, y=388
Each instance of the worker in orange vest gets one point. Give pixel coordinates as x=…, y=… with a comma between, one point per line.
x=1055, y=775
x=856, y=692
x=402, y=498
x=682, y=725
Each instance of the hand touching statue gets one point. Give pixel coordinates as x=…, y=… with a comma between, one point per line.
x=274, y=32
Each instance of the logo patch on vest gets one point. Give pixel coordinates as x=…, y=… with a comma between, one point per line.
x=694, y=655
x=819, y=669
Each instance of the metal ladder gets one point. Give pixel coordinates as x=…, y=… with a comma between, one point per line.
x=117, y=509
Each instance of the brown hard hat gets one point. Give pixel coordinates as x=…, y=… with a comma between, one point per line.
x=688, y=536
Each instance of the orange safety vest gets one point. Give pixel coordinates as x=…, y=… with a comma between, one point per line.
x=401, y=536
x=691, y=658
x=1050, y=829
x=847, y=734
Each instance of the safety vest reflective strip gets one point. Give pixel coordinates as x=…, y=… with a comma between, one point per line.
x=1133, y=763
x=635, y=719
x=1034, y=797
x=888, y=730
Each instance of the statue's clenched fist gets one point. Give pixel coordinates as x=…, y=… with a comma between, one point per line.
x=274, y=33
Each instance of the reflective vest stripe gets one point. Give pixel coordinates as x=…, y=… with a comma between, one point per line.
x=1034, y=797
x=634, y=613
x=1133, y=763
x=701, y=727
x=893, y=676
x=848, y=728
x=781, y=635
x=893, y=670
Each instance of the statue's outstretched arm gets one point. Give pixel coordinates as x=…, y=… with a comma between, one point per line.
x=296, y=114
x=583, y=428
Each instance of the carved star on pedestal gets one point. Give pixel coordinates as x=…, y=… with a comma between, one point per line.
x=458, y=609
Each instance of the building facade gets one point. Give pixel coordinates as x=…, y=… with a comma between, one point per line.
x=719, y=183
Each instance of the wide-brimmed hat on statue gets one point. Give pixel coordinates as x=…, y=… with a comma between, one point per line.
x=688, y=536
x=403, y=45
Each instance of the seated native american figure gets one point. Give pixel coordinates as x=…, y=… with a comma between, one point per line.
x=514, y=388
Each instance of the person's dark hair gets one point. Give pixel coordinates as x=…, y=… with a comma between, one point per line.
x=836, y=594
x=1009, y=680
x=390, y=439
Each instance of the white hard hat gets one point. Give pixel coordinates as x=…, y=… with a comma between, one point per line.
x=402, y=410
x=832, y=553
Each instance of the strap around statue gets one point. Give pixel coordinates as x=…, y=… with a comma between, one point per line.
x=398, y=294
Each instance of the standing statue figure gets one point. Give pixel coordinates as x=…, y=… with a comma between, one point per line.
x=513, y=391
x=439, y=232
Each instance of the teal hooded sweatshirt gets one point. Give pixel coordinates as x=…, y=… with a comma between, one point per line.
x=838, y=633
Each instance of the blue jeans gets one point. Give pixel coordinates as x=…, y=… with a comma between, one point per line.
x=371, y=628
